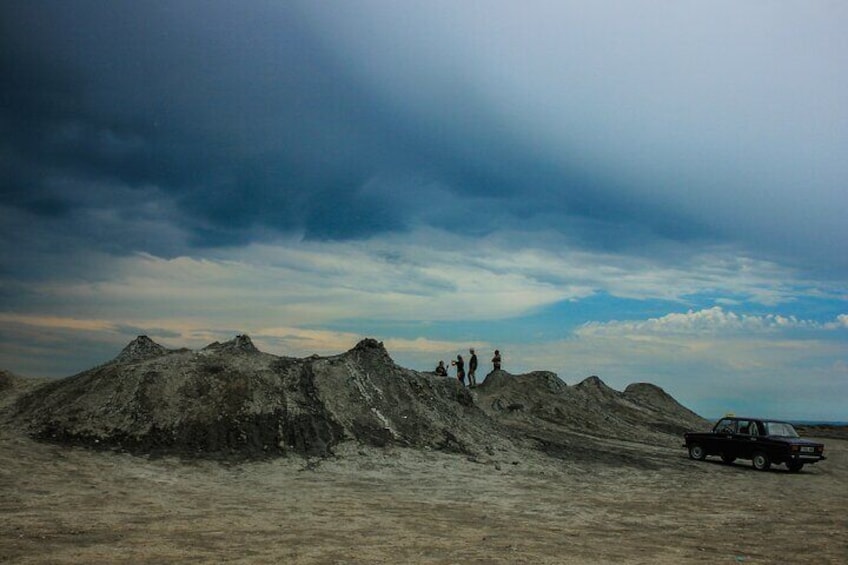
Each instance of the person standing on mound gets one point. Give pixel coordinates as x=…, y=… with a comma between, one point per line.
x=472, y=368
x=496, y=361
x=460, y=369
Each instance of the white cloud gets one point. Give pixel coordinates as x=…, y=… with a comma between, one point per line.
x=713, y=320
x=841, y=322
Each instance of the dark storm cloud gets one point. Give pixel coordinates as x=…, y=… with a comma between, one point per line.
x=281, y=117
x=244, y=119
x=232, y=113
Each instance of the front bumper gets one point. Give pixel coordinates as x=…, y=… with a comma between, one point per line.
x=807, y=458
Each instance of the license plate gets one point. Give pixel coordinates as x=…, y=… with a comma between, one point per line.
x=808, y=449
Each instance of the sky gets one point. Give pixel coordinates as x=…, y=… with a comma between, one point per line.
x=646, y=191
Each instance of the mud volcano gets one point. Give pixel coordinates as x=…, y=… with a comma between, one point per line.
x=230, y=400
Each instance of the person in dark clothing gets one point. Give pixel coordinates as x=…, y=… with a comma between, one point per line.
x=441, y=370
x=472, y=368
x=460, y=369
x=496, y=361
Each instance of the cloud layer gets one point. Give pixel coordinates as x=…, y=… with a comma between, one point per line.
x=430, y=172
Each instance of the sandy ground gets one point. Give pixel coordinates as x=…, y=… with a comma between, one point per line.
x=71, y=505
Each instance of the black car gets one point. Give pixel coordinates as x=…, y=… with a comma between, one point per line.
x=763, y=442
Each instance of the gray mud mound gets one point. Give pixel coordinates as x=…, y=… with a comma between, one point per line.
x=242, y=344
x=378, y=402
x=661, y=405
x=7, y=381
x=232, y=400
x=541, y=404
x=8, y=387
x=139, y=349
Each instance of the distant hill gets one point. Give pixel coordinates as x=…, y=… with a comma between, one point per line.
x=232, y=400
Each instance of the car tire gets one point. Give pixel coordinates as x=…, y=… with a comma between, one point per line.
x=761, y=461
x=727, y=459
x=696, y=452
x=794, y=467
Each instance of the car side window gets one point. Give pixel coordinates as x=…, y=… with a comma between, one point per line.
x=749, y=428
x=725, y=426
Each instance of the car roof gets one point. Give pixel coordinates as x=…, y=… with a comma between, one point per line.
x=754, y=418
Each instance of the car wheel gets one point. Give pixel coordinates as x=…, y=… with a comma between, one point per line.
x=794, y=467
x=761, y=461
x=728, y=459
x=697, y=452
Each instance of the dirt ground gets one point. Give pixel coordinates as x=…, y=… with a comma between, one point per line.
x=370, y=505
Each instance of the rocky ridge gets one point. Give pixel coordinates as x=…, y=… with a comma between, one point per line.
x=232, y=400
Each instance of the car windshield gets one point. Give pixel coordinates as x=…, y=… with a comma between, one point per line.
x=781, y=429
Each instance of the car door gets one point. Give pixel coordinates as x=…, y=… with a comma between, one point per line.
x=745, y=438
x=723, y=436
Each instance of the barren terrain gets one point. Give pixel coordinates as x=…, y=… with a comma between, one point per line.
x=398, y=505
x=232, y=455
